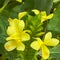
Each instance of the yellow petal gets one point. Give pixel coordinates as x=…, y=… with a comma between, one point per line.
x=20, y=46
x=19, y=36
x=43, y=16
x=39, y=40
x=36, y=11
x=10, y=30
x=43, y=13
x=19, y=0
x=21, y=25
x=21, y=14
x=15, y=36
x=28, y=31
x=45, y=52
x=36, y=44
x=50, y=16
x=25, y=36
x=10, y=45
x=48, y=37
x=55, y=41
x=9, y=38
x=16, y=25
x=52, y=42
x=49, y=41
x=10, y=21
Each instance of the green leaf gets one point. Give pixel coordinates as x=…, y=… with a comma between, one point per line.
x=44, y=5
x=2, y=50
x=12, y=5
x=54, y=23
x=3, y=23
x=55, y=53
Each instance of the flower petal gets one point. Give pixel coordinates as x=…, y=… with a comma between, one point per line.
x=10, y=21
x=10, y=30
x=36, y=11
x=25, y=36
x=22, y=14
x=43, y=16
x=36, y=44
x=21, y=25
x=20, y=46
x=45, y=52
x=16, y=25
x=47, y=37
x=43, y=13
x=9, y=38
x=52, y=42
x=50, y=16
x=15, y=36
x=19, y=1
x=10, y=45
x=19, y=36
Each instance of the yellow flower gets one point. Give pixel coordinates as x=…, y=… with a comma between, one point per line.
x=44, y=16
x=16, y=35
x=48, y=41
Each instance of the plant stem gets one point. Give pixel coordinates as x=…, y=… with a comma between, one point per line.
x=5, y=4
x=3, y=57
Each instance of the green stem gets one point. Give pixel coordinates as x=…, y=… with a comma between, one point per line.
x=29, y=54
x=5, y=4
x=3, y=57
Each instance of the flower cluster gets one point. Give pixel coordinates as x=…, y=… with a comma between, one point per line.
x=44, y=16
x=17, y=35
